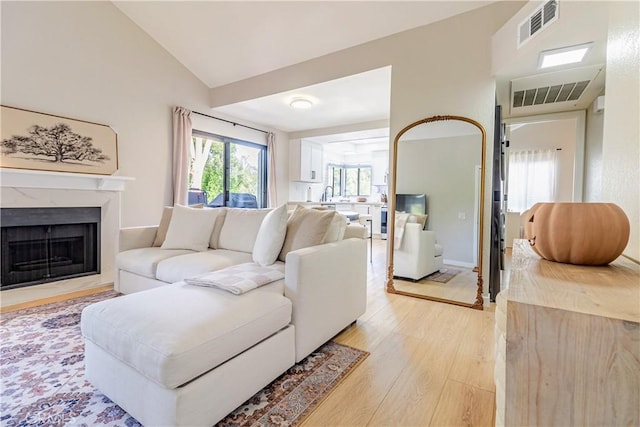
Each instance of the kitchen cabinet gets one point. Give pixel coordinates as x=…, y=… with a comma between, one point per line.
x=361, y=209
x=375, y=219
x=379, y=167
x=305, y=160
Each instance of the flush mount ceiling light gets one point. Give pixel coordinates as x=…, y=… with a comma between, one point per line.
x=563, y=56
x=300, y=103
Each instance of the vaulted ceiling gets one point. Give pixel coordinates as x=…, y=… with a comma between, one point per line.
x=222, y=42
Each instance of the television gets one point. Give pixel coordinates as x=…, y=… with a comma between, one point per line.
x=411, y=203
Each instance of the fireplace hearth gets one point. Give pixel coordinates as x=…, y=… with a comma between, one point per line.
x=41, y=245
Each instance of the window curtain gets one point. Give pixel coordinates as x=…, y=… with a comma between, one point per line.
x=181, y=154
x=532, y=178
x=272, y=193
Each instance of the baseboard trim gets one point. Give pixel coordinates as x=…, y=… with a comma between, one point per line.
x=458, y=263
x=56, y=298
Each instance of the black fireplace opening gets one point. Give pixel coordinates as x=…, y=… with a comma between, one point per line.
x=40, y=245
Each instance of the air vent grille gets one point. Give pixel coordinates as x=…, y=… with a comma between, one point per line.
x=539, y=19
x=549, y=94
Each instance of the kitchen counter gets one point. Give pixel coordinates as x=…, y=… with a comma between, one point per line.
x=336, y=203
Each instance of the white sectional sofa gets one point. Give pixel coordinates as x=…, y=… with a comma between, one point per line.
x=171, y=353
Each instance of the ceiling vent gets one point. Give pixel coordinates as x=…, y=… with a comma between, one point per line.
x=549, y=94
x=539, y=19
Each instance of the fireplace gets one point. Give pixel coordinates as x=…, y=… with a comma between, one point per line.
x=40, y=245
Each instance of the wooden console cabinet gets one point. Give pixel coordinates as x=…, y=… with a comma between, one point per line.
x=568, y=343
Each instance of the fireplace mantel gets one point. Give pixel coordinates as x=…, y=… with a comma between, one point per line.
x=23, y=178
x=40, y=189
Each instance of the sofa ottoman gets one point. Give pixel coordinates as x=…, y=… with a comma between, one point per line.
x=186, y=355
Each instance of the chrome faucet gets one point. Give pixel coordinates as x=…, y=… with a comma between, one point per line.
x=324, y=197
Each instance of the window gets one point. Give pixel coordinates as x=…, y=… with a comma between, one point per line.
x=532, y=178
x=335, y=179
x=350, y=180
x=227, y=172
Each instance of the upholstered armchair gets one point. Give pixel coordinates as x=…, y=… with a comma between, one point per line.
x=419, y=255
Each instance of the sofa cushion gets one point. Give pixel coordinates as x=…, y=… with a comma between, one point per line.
x=144, y=261
x=305, y=227
x=270, y=236
x=336, y=229
x=215, y=235
x=177, y=332
x=240, y=229
x=178, y=268
x=190, y=228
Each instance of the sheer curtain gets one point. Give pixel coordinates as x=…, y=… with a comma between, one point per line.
x=532, y=178
x=271, y=179
x=182, y=129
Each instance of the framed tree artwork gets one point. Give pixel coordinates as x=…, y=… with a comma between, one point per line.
x=31, y=140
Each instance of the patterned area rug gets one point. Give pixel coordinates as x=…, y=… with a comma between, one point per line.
x=442, y=276
x=43, y=384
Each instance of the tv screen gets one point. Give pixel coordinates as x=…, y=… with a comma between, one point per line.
x=411, y=203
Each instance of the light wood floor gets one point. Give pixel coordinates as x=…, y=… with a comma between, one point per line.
x=462, y=287
x=431, y=364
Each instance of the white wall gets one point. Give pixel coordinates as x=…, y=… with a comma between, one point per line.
x=86, y=60
x=447, y=176
x=621, y=147
x=442, y=68
x=101, y=67
x=592, y=191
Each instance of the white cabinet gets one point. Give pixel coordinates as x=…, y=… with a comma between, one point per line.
x=305, y=160
x=361, y=209
x=379, y=167
x=375, y=219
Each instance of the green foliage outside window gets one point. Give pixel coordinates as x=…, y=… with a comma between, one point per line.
x=243, y=176
x=213, y=174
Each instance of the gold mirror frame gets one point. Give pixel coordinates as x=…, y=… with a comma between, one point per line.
x=479, y=303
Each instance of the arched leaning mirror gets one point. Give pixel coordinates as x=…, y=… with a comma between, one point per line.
x=435, y=211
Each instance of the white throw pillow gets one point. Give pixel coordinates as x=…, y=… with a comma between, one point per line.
x=190, y=228
x=419, y=219
x=240, y=229
x=270, y=236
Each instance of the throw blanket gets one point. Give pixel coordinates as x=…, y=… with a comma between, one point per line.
x=401, y=221
x=240, y=278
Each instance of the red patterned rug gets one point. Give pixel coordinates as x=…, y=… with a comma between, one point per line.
x=43, y=384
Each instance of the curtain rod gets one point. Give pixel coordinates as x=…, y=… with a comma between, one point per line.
x=233, y=123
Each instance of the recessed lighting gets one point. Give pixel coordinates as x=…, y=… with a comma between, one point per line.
x=300, y=103
x=563, y=56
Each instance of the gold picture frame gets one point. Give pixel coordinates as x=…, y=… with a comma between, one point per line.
x=46, y=142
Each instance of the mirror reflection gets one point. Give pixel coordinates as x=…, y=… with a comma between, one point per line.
x=437, y=224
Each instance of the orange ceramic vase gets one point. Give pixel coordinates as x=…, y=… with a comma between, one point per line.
x=577, y=233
